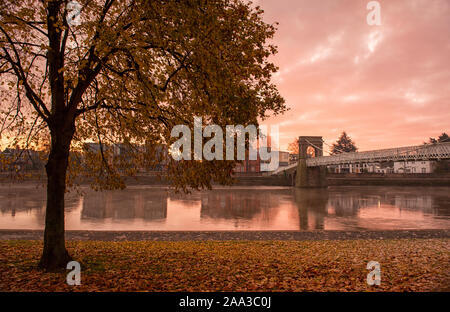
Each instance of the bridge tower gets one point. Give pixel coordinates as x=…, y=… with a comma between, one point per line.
x=310, y=176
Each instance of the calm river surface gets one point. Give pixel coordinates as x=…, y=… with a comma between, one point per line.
x=234, y=208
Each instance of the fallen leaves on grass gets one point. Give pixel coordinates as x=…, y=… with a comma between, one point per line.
x=406, y=265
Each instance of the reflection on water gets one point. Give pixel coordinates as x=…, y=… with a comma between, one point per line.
x=231, y=208
x=145, y=205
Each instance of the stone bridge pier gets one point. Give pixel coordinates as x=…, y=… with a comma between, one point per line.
x=310, y=146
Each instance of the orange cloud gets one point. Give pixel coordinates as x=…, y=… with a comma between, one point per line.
x=385, y=85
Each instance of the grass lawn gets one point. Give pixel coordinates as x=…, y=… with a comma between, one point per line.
x=406, y=265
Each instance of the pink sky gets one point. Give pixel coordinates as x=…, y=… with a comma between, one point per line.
x=387, y=85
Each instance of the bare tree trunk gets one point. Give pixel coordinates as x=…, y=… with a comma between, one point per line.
x=55, y=255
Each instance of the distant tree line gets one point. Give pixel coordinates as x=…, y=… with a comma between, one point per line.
x=441, y=139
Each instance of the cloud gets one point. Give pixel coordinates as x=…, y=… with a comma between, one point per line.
x=385, y=85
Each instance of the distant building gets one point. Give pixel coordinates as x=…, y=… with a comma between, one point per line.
x=254, y=166
x=157, y=154
x=92, y=147
x=283, y=158
x=414, y=166
x=410, y=166
x=372, y=167
x=249, y=165
x=22, y=159
x=293, y=158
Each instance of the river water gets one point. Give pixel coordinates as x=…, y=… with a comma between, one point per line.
x=234, y=208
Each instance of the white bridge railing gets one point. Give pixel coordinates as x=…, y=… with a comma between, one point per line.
x=421, y=152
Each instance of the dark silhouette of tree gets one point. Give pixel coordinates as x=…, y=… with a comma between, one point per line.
x=442, y=138
x=343, y=145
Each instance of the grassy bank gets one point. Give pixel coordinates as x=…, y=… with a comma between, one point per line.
x=406, y=265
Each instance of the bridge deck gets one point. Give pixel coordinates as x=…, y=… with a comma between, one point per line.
x=419, y=152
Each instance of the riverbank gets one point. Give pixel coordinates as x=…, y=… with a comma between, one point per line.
x=333, y=179
x=117, y=236
x=406, y=265
x=394, y=179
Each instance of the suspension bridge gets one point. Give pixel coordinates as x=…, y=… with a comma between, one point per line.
x=311, y=171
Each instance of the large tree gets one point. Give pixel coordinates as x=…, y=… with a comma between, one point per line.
x=343, y=145
x=128, y=72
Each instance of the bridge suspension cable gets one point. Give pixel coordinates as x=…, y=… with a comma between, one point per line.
x=331, y=146
x=313, y=145
x=329, y=151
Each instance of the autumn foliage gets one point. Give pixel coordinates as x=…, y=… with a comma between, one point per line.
x=406, y=265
